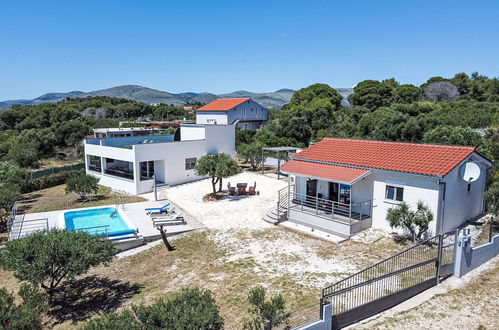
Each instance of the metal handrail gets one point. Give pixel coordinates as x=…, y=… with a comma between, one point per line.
x=86, y=228
x=21, y=228
x=322, y=204
x=427, y=242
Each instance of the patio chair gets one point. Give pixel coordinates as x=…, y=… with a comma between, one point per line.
x=231, y=189
x=162, y=209
x=167, y=211
x=167, y=218
x=252, y=190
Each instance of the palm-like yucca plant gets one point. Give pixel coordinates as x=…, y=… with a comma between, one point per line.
x=416, y=222
x=423, y=217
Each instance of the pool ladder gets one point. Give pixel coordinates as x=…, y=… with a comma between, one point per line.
x=117, y=206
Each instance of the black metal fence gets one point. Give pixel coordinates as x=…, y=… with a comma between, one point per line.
x=53, y=170
x=391, y=281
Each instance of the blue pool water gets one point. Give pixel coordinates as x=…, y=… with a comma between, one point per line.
x=95, y=221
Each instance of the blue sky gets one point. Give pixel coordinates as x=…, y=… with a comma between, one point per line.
x=222, y=46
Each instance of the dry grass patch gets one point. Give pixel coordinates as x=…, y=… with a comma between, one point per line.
x=229, y=263
x=104, y=196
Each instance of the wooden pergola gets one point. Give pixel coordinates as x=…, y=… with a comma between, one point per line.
x=279, y=150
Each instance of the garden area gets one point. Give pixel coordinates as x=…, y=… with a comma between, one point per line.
x=57, y=198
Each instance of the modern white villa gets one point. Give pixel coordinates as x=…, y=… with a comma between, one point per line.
x=242, y=112
x=344, y=186
x=129, y=163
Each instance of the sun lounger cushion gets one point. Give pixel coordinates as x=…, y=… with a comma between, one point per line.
x=157, y=208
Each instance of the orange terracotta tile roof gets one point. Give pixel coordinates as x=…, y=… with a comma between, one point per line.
x=223, y=104
x=333, y=172
x=424, y=159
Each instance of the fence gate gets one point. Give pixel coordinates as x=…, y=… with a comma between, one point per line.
x=391, y=281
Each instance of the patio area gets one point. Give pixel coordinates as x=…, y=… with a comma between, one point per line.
x=135, y=212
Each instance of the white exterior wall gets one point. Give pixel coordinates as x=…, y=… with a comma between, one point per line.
x=192, y=132
x=416, y=187
x=169, y=158
x=219, y=139
x=212, y=118
x=362, y=190
x=460, y=204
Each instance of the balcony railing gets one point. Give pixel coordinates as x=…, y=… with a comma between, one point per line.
x=329, y=209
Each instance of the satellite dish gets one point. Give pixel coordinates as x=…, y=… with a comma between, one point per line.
x=470, y=172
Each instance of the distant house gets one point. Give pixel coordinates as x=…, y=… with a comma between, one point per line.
x=132, y=163
x=345, y=186
x=241, y=112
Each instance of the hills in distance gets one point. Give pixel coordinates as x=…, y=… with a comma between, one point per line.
x=150, y=96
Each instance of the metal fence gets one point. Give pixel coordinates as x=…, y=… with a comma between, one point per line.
x=391, y=281
x=53, y=170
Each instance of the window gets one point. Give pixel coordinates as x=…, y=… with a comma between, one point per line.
x=146, y=170
x=190, y=163
x=394, y=193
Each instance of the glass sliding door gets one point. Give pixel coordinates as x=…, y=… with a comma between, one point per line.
x=311, y=189
x=344, y=194
x=146, y=170
x=334, y=189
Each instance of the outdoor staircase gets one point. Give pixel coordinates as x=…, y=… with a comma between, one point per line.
x=279, y=213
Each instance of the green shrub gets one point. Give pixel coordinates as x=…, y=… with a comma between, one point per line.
x=492, y=196
x=261, y=310
x=8, y=196
x=51, y=180
x=28, y=314
x=187, y=309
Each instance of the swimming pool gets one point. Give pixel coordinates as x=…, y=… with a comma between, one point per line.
x=101, y=221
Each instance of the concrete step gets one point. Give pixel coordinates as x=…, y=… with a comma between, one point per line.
x=271, y=216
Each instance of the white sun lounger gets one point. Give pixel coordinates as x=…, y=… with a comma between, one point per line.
x=168, y=219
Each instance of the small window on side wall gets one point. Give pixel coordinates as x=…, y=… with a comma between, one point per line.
x=190, y=163
x=393, y=193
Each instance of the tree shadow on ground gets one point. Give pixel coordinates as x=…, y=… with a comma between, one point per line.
x=401, y=239
x=85, y=297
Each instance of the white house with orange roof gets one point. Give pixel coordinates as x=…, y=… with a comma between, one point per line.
x=241, y=112
x=344, y=186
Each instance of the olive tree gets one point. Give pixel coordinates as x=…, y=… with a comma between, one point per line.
x=251, y=153
x=48, y=258
x=190, y=308
x=441, y=91
x=415, y=222
x=83, y=184
x=217, y=166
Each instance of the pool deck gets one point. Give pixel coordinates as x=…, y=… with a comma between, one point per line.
x=133, y=211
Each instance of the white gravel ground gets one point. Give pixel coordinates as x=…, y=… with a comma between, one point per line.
x=230, y=212
x=285, y=253
x=273, y=250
